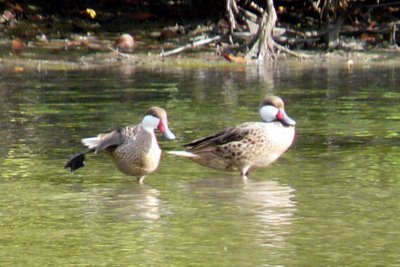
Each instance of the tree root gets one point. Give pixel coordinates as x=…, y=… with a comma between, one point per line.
x=261, y=47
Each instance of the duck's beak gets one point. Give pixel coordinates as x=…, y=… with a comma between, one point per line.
x=163, y=127
x=282, y=116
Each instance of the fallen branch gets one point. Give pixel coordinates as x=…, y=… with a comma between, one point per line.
x=288, y=51
x=118, y=52
x=190, y=46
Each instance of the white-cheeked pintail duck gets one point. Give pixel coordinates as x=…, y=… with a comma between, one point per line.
x=248, y=146
x=134, y=149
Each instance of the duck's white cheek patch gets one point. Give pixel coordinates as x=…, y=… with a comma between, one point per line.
x=150, y=123
x=268, y=113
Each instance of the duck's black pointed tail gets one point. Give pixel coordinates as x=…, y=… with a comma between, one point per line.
x=76, y=161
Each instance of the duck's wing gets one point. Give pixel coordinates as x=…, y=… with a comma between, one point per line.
x=112, y=139
x=108, y=140
x=225, y=136
x=103, y=141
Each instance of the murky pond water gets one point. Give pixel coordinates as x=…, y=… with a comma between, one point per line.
x=332, y=200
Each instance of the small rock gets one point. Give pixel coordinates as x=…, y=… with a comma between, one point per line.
x=125, y=42
x=17, y=45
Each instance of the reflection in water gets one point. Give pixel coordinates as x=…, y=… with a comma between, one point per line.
x=274, y=204
x=230, y=91
x=344, y=167
x=130, y=202
x=265, y=205
x=127, y=71
x=17, y=163
x=138, y=202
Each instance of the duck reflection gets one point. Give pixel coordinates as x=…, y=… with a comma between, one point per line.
x=138, y=202
x=262, y=207
x=272, y=205
x=271, y=202
x=125, y=203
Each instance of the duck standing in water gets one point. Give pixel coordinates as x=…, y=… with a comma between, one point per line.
x=134, y=149
x=248, y=146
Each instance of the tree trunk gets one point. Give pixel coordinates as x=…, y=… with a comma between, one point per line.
x=261, y=47
x=333, y=31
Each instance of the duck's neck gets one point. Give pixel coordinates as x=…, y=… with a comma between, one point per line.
x=149, y=123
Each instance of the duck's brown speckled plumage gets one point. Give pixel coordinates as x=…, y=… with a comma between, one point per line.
x=250, y=145
x=245, y=147
x=137, y=154
x=134, y=149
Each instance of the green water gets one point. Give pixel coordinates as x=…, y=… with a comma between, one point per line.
x=332, y=200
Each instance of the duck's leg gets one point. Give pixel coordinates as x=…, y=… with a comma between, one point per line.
x=140, y=179
x=245, y=172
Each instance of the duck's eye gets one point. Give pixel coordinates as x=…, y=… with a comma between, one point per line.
x=152, y=113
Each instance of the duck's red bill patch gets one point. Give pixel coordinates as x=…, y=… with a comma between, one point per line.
x=161, y=127
x=280, y=115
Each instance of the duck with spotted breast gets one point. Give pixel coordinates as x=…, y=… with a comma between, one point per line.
x=134, y=149
x=248, y=146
